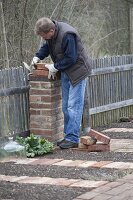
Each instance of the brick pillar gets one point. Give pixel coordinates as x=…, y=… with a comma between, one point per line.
x=46, y=117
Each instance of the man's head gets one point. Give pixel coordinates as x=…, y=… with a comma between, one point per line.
x=45, y=28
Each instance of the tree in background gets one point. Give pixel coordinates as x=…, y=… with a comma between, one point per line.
x=103, y=26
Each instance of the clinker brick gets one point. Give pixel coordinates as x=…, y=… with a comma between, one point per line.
x=82, y=146
x=40, y=73
x=87, y=140
x=99, y=147
x=99, y=136
x=41, y=66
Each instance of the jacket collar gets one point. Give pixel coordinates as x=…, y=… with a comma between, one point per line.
x=56, y=29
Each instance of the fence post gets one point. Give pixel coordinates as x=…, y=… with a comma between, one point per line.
x=86, y=119
x=131, y=30
x=46, y=117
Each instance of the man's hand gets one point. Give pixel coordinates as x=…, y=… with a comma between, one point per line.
x=35, y=60
x=52, y=70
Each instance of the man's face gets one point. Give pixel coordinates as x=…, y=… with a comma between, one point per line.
x=49, y=35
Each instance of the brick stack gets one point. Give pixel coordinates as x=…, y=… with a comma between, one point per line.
x=46, y=118
x=87, y=143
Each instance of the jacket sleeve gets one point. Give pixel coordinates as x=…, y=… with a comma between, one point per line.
x=43, y=52
x=69, y=47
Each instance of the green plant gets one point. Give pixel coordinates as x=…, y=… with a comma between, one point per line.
x=35, y=145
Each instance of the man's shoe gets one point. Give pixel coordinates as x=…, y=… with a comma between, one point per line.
x=59, y=141
x=67, y=144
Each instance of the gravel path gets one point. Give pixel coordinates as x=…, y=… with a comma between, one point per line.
x=19, y=191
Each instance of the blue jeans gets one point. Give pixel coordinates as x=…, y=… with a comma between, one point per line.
x=72, y=107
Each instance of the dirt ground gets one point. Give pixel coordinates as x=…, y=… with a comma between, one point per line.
x=19, y=191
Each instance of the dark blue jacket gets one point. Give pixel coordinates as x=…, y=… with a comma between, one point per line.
x=70, y=52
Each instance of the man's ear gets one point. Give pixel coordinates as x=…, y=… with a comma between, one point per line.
x=52, y=30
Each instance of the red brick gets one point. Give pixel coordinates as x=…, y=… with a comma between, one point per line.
x=101, y=164
x=99, y=136
x=99, y=147
x=34, y=98
x=50, y=85
x=35, y=84
x=94, y=147
x=39, y=131
x=34, y=112
x=80, y=149
x=89, y=184
x=40, y=73
x=47, y=126
x=42, y=92
x=82, y=146
x=45, y=161
x=41, y=66
x=54, y=111
x=42, y=120
x=51, y=98
x=75, y=163
x=64, y=181
x=50, y=134
x=87, y=140
x=44, y=105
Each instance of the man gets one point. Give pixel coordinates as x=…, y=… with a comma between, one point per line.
x=63, y=44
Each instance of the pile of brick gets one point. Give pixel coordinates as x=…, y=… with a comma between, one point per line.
x=94, y=141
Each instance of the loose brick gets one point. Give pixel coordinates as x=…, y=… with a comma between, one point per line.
x=80, y=149
x=99, y=147
x=87, y=140
x=82, y=146
x=99, y=136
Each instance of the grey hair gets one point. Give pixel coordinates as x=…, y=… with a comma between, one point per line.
x=43, y=25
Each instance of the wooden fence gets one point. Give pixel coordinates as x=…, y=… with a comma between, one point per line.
x=110, y=89
x=14, y=101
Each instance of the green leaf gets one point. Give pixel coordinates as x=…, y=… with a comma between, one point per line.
x=35, y=145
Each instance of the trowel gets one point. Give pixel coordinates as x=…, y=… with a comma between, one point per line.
x=27, y=66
